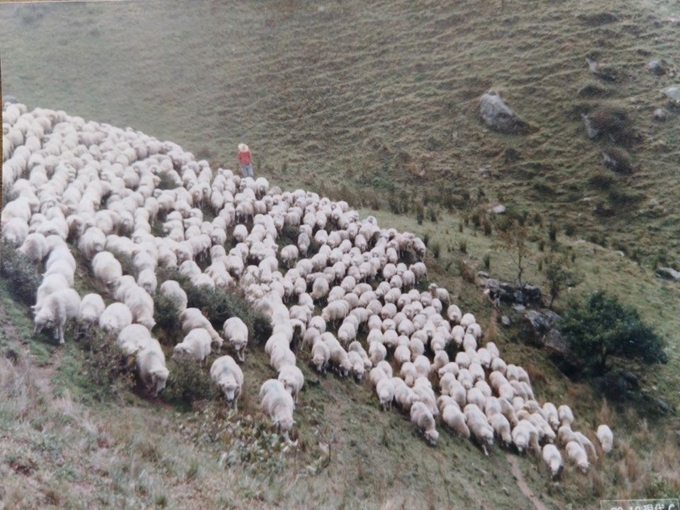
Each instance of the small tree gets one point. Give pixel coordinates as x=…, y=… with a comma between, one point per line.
x=559, y=278
x=604, y=327
x=513, y=237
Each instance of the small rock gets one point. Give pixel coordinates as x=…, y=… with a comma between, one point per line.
x=482, y=274
x=657, y=67
x=484, y=171
x=505, y=320
x=668, y=273
x=660, y=114
x=559, y=349
x=519, y=308
x=496, y=113
x=542, y=322
x=506, y=490
x=499, y=209
x=673, y=94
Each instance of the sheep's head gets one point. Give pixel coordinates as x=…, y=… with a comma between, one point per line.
x=285, y=424
x=180, y=352
x=431, y=436
x=158, y=379
x=43, y=319
x=229, y=390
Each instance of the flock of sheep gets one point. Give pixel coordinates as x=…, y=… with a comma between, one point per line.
x=71, y=184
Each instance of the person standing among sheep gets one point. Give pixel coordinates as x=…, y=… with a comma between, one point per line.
x=244, y=159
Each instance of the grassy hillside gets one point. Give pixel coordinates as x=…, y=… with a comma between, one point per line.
x=375, y=103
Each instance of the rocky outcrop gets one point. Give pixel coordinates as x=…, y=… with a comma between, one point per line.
x=508, y=293
x=497, y=114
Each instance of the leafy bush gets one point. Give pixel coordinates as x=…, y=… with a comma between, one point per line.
x=603, y=327
x=23, y=275
x=166, y=315
x=105, y=364
x=187, y=384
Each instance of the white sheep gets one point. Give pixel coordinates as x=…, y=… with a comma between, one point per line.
x=423, y=419
x=385, y=391
x=34, y=247
x=133, y=338
x=147, y=280
x=91, y=308
x=106, y=268
x=501, y=427
x=606, y=438
x=551, y=415
x=151, y=368
x=553, y=458
x=195, y=346
x=565, y=435
x=525, y=435
x=236, y=333
x=279, y=405
x=587, y=445
x=173, y=290
x=56, y=310
x=292, y=379
x=192, y=318
x=377, y=352
x=453, y=417
x=577, y=455
x=565, y=415
x=320, y=356
x=115, y=318
x=229, y=377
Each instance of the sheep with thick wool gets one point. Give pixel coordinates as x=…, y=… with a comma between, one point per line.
x=150, y=363
x=192, y=318
x=194, y=347
x=423, y=419
x=577, y=455
x=278, y=404
x=91, y=308
x=236, y=333
x=293, y=380
x=56, y=310
x=606, y=438
x=226, y=373
x=553, y=458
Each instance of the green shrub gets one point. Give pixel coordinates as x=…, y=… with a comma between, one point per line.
x=23, y=275
x=166, y=315
x=436, y=250
x=105, y=364
x=462, y=245
x=187, y=384
x=603, y=327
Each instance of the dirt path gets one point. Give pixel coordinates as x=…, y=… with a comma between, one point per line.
x=522, y=484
